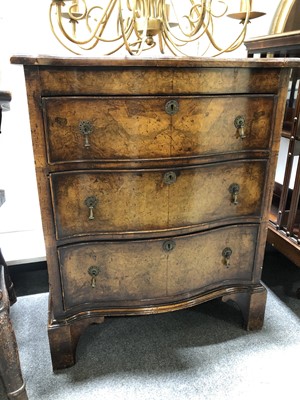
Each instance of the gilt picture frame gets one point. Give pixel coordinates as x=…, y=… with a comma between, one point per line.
x=281, y=16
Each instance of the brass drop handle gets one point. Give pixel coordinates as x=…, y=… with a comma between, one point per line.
x=226, y=253
x=91, y=203
x=86, y=129
x=93, y=271
x=240, y=123
x=234, y=189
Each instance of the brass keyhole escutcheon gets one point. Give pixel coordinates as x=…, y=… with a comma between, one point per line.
x=91, y=203
x=169, y=245
x=240, y=123
x=172, y=107
x=227, y=253
x=86, y=129
x=93, y=271
x=170, y=177
x=234, y=189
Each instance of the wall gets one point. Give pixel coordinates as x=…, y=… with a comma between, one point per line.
x=25, y=28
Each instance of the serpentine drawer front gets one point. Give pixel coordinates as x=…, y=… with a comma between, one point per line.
x=155, y=179
x=118, y=274
x=84, y=128
x=145, y=200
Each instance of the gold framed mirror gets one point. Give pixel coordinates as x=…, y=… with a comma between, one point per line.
x=287, y=17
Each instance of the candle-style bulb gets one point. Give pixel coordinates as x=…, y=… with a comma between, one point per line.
x=245, y=4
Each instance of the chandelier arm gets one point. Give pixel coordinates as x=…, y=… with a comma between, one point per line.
x=189, y=38
x=191, y=33
x=81, y=42
x=88, y=15
x=205, y=50
x=137, y=5
x=176, y=41
x=170, y=48
x=148, y=48
x=223, y=13
x=201, y=19
x=108, y=15
x=60, y=25
x=80, y=17
x=175, y=52
x=150, y=8
x=239, y=40
x=197, y=24
x=55, y=34
x=161, y=44
x=234, y=45
x=171, y=37
x=109, y=53
x=200, y=16
x=120, y=20
x=115, y=50
x=103, y=40
x=92, y=46
x=210, y=34
x=129, y=28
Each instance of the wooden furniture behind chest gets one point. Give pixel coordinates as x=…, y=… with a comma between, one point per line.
x=155, y=179
x=10, y=369
x=5, y=98
x=284, y=228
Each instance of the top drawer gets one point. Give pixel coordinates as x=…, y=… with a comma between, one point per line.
x=156, y=80
x=137, y=128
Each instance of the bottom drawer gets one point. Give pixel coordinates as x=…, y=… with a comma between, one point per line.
x=144, y=272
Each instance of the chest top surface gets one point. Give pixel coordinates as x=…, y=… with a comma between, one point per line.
x=200, y=62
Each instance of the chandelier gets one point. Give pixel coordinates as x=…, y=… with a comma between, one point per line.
x=176, y=27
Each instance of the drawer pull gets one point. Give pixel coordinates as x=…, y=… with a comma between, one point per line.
x=86, y=129
x=169, y=245
x=239, y=123
x=91, y=203
x=93, y=271
x=226, y=253
x=170, y=177
x=172, y=107
x=234, y=189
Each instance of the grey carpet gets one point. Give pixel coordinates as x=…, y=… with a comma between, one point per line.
x=201, y=353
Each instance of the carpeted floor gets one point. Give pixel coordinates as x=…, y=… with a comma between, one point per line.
x=197, y=354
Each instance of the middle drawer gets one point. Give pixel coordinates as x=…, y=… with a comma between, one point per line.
x=132, y=201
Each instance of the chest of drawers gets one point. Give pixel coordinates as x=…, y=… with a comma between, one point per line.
x=155, y=178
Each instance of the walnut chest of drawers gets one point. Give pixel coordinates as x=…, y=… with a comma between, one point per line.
x=155, y=179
